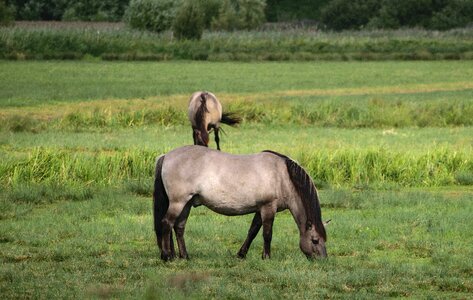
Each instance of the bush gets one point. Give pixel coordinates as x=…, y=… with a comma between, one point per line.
x=189, y=23
x=293, y=10
x=152, y=15
x=404, y=13
x=429, y=14
x=227, y=18
x=349, y=14
x=209, y=10
x=90, y=10
x=6, y=14
x=251, y=13
x=241, y=14
x=458, y=13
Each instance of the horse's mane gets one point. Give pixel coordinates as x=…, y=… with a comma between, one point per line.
x=200, y=117
x=307, y=192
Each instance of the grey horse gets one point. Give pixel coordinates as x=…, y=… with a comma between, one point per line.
x=205, y=114
x=262, y=183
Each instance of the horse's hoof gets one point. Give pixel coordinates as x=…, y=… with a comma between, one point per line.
x=241, y=255
x=166, y=257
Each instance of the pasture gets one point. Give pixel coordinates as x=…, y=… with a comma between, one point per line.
x=389, y=145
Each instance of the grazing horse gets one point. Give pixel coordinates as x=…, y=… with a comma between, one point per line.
x=262, y=183
x=205, y=114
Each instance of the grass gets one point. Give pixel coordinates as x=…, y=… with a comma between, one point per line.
x=389, y=146
x=380, y=245
x=43, y=82
x=118, y=43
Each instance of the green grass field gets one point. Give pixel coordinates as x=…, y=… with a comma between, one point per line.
x=389, y=144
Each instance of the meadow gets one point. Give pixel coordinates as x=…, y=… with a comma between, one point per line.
x=389, y=145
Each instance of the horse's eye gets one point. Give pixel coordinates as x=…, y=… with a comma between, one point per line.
x=315, y=242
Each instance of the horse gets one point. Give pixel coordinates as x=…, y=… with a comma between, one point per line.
x=263, y=183
x=205, y=114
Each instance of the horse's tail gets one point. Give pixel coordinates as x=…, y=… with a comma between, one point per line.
x=160, y=201
x=230, y=119
x=200, y=118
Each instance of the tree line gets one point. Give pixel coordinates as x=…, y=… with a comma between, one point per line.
x=157, y=15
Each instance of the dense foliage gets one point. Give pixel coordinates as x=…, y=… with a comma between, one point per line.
x=239, y=14
x=86, y=10
x=429, y=14
x=290, y=10
x=248, y=14
x=188, y=23
x=152, y=15
x=6, y=14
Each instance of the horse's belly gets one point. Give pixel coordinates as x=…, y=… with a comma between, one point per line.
x=229, y=206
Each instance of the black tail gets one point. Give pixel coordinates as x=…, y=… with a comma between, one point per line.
x=160, y=201
x=203, y=138
x=230, y=119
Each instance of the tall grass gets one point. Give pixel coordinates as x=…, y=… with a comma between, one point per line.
x=343, y=113
x=344, y=167
x=123, y=44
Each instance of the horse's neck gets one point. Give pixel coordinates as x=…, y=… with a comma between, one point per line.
x=297, y=210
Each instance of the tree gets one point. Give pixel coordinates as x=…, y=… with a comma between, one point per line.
x=189, y=21
x=6, y=14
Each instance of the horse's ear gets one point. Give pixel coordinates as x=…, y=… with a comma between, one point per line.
x=326, y=222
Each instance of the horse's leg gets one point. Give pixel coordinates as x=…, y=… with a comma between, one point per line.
x=171, y=242
x=267, y=218
x=167, y=251
x=179, y=228
x=194, y=136
x=252, y=232
x=217, y=138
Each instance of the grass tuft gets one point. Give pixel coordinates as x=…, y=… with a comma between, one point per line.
x=464, y=177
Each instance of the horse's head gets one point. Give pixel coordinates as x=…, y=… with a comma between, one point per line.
x=201, y=137
x=312, y=243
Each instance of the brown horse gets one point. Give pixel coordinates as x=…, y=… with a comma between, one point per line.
x=205, y=115
x=262, y=183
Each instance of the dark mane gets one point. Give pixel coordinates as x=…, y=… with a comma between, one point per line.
x=307, y=192
x=200, y=117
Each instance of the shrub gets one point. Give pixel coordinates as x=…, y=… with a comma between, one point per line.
x=93, y=10
x=403, y=13
x=348, y=14
x=227, y=18
x=86, y=10
x=293, y=10
x=189, y=23
x=209, y=10
x=251, y=13
x=6, y=14
x=152, y=15
x=241, y=14
x=429, y=14
x=457, y=13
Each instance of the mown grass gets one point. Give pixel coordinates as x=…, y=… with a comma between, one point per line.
x=40, y=83
x=43, y=42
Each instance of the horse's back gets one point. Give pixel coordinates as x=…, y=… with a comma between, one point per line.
x=226, y=183
x=214, y=108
